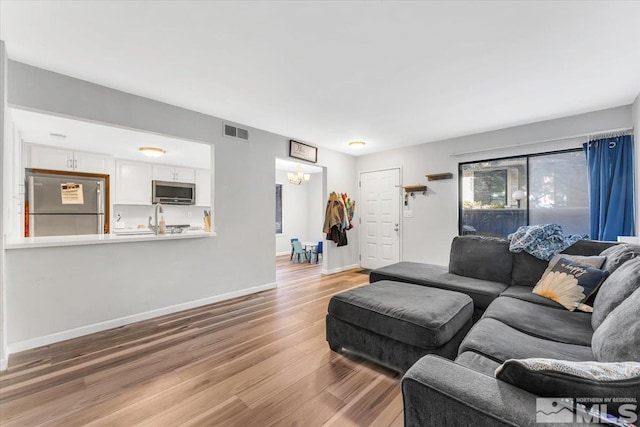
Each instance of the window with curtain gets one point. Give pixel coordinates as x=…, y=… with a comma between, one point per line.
x=497, y=196
x=278, y=208
x=611, y=187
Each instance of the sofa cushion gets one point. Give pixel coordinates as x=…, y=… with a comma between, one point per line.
x=417, y=315
x=481, y=291
x=480, y=257
x=542, y=321
x=588, y=247
x=617, y=339
x=594, y=261
x=569, y=283
x=551, y=378
x=527, y=269
x=618, y=286
x=477, y=362
x=524, y=293
x=618, y=255
x=500, y=342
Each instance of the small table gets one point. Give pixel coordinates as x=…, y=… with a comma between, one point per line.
x=311, y=246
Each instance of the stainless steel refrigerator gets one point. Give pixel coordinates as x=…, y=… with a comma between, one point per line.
x=61, y=205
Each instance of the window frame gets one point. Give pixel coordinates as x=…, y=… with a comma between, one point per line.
x=279, y=186
x=526, y=156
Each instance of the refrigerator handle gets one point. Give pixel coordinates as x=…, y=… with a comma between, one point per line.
x=100, y=209
x=32, y=223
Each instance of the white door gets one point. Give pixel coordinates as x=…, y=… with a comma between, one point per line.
x=380, y=218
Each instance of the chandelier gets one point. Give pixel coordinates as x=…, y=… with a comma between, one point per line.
x=298, y=177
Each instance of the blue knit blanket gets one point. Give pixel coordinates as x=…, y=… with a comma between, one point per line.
x=542, y=241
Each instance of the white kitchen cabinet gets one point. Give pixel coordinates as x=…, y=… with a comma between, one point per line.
x=173, y=174
x=93, y=163
x=203, y=187
x=42, y=157
x=61, y=159
x=133, y=183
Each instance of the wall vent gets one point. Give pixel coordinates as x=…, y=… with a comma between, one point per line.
x=235, y=132
x=230, y=130
x=243, y=133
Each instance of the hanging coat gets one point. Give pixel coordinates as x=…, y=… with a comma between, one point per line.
x=335, y=219
x=334, y=214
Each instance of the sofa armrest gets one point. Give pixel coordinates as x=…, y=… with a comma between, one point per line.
x=437, y=391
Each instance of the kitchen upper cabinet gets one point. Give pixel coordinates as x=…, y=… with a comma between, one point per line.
x=93, y=163
x=41, y=157
x=44, y=157
x=173, y=174
x=133, y=183
x=203, y=187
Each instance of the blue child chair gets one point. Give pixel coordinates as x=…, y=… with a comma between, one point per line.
x=299, y=252
x=319, y=251
x=295, y=239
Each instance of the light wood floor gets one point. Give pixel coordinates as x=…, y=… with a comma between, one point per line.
x=258, y=360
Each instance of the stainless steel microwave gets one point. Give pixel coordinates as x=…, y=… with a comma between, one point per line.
x=173, y=193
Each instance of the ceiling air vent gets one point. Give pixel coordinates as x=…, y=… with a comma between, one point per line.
x=229, y=130
x=243, y=133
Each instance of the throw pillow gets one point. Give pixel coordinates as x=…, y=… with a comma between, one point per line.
x=551, y=378
x=591, y=261
x=618, y=255
x=569, y=283
x=618, y=286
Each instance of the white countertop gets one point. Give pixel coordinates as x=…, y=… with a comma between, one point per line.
x=98, y=239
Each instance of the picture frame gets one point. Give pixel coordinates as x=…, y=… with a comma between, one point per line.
x=301, y=151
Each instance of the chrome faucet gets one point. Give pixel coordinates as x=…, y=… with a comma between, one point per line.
x=157, y=208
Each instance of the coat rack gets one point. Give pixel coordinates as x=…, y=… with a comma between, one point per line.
x=413, y=189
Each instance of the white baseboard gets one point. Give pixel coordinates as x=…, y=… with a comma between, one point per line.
x=340, y=269
x=283, y=253
x=115, y=323
x=3, y=364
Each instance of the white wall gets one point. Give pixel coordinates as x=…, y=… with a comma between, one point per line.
x=341, y=177
x=114, y=284
x=316, y=206
x=294, y=213
x=636, y=143
x=427, y=236
x=4, y=129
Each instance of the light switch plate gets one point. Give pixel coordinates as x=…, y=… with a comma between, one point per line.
x=408, y=214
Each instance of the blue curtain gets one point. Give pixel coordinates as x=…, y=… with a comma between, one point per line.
x=611, y=194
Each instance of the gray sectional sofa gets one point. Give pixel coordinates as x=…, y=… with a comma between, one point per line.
x=509, y=322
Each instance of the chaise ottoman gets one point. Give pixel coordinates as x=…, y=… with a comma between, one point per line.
x=395, y=323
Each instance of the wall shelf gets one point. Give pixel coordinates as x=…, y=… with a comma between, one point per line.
x=439, y=176
x=415, y=188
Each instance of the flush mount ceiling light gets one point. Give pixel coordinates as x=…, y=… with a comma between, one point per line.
x=357, y=144
x=152, y=151
x=298, y=177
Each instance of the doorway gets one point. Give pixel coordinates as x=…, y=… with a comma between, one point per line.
x=380, y=218
x=299, y=189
